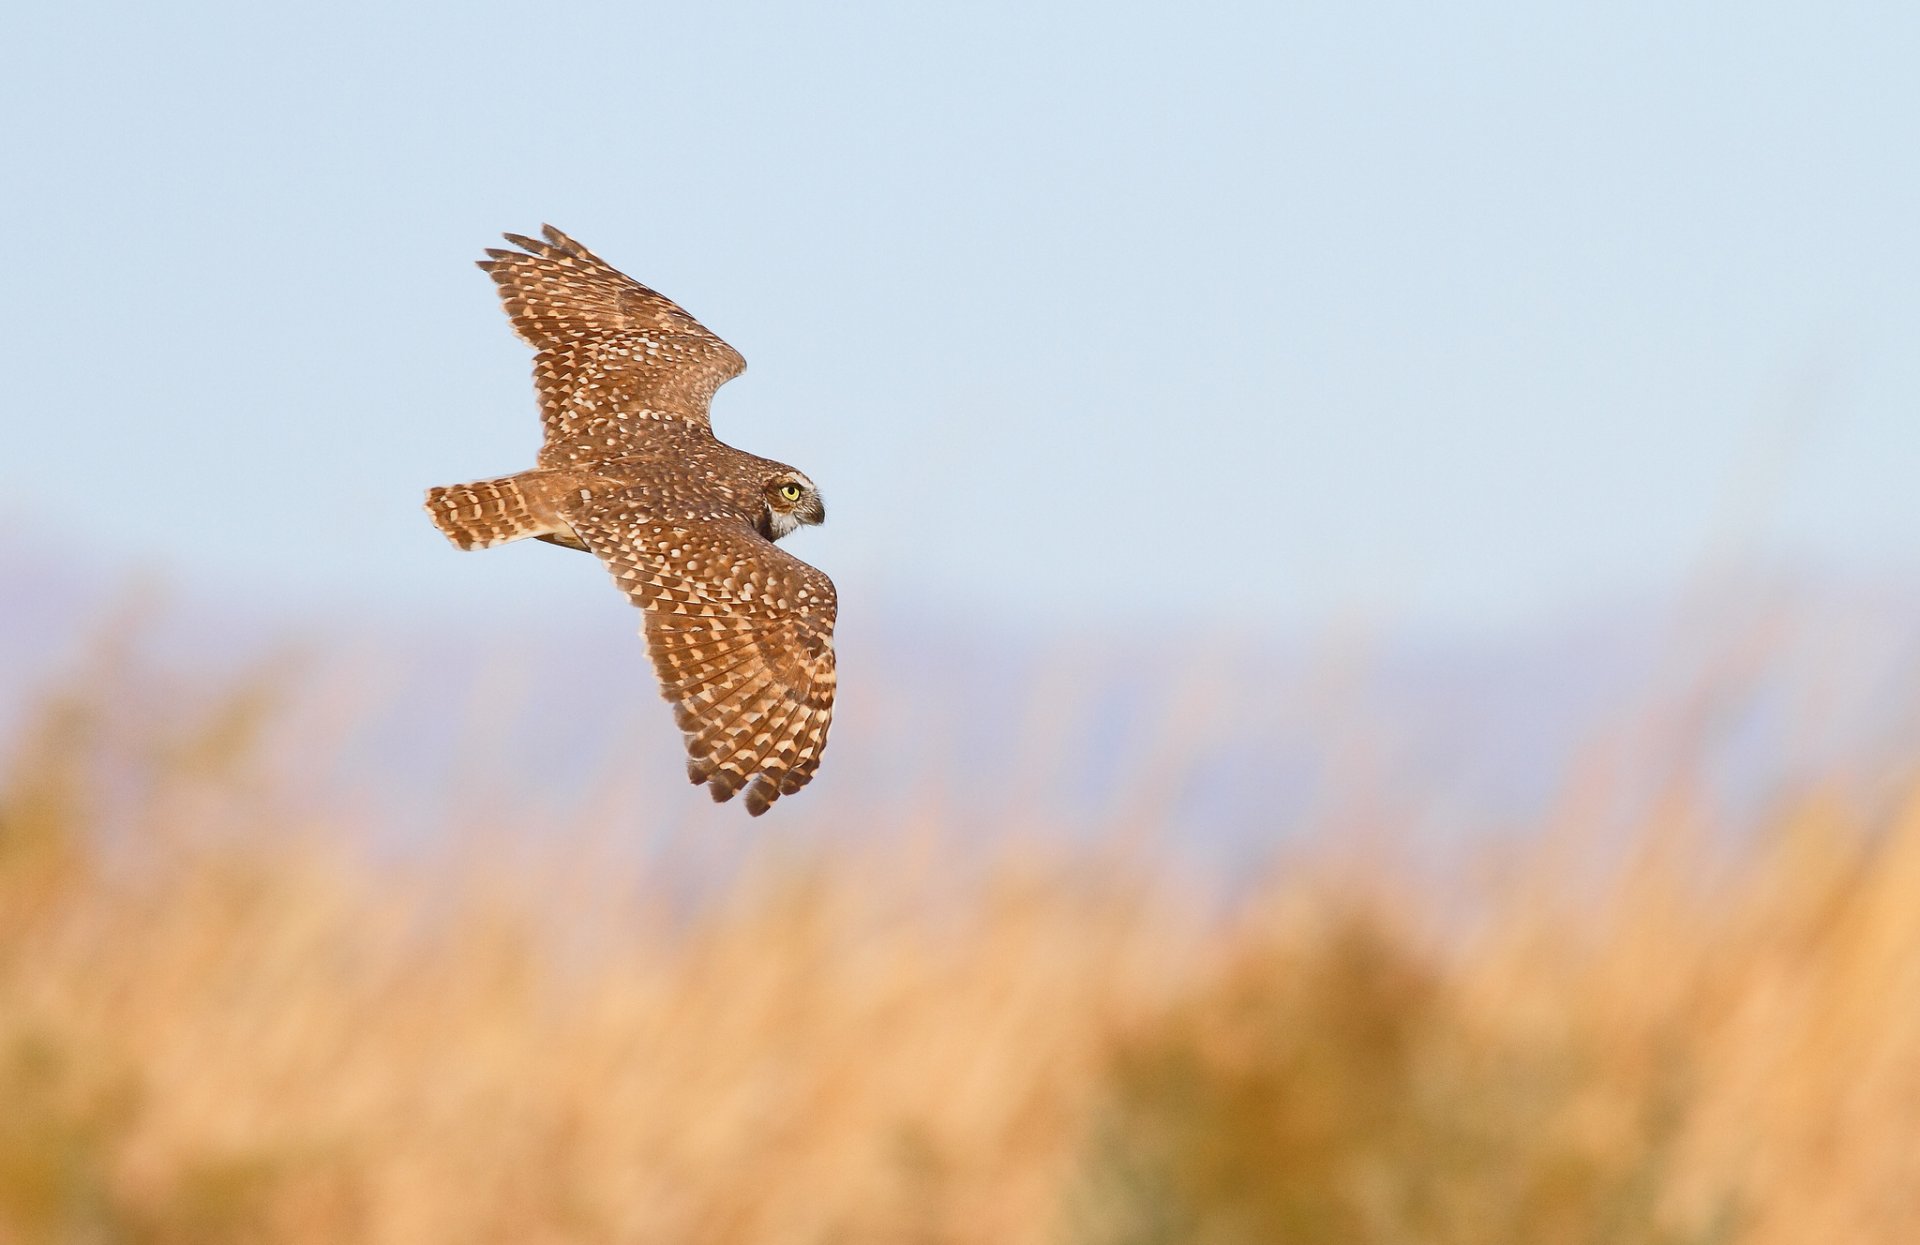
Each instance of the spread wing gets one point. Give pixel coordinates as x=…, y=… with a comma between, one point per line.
x=741, y=635
x=615, y=358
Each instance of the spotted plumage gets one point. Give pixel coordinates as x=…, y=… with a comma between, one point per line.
x=740, y=631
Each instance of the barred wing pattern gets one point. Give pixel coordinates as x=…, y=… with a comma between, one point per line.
x=741, y=635
x=615, y=360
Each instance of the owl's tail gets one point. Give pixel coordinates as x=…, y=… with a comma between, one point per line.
x=493, y=512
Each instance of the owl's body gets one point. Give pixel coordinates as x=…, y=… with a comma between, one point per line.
x=684, y=483
x=740, y=632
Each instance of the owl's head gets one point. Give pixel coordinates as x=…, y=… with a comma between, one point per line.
x=792, y=500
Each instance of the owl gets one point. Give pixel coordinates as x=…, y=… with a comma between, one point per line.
x=739, y=630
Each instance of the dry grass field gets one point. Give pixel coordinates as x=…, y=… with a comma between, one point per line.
x=228, y=1015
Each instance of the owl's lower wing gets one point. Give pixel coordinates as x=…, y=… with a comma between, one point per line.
x=741, y=635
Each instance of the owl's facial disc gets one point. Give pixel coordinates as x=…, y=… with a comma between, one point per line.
x=792, y=501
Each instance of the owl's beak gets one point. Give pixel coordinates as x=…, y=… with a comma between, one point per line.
x=816, y=511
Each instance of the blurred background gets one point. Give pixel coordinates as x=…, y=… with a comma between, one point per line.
x=1379, y=624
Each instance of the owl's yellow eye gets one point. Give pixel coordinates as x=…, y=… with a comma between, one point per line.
x=790, y=491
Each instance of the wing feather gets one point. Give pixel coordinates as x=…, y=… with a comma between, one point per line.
x=617, y=362
x=743, y=649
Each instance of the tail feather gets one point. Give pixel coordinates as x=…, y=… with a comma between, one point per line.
x=493, y=512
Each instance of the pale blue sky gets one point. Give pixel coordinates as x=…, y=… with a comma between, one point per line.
x=1464, y=313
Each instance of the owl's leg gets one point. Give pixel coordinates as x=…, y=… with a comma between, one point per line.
x=565, y=538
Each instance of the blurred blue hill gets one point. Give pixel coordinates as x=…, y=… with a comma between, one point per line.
x=1226, y=744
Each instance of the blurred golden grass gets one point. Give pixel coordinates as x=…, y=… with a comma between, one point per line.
x=223, y=1018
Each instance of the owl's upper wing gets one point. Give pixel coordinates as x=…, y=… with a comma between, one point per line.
x=741, y=635
x=615, y=358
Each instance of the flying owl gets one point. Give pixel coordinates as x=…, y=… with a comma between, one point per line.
x=740, y=631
